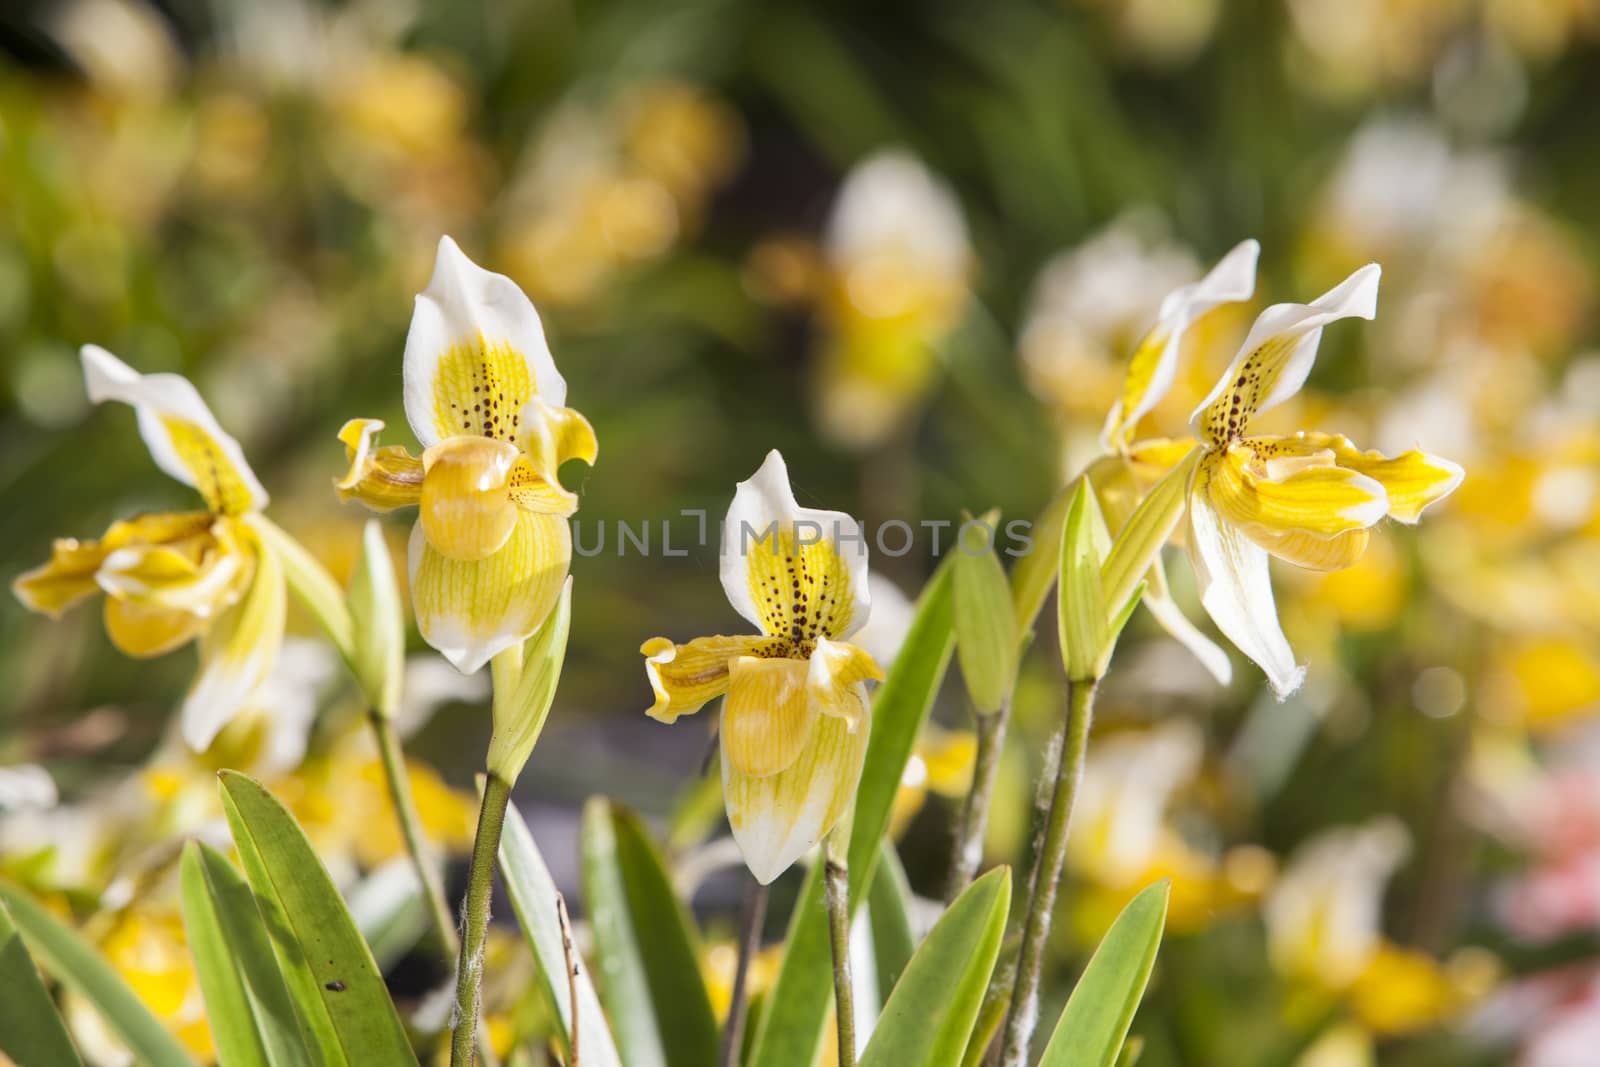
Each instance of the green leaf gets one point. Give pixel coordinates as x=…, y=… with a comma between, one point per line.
x=252, y=1019
x=889, y=908
x=1140, y=541
x=533, y=897
x=930, y=1014
x=31, y=1031
x=311, y=584
x=62, y=952
x=378, y=623
x=986, y=627
x=796, y=1014
x=1095, y=1021
x=327, y=967
x=645, y=945
x=1035, y=570
x=519, y=715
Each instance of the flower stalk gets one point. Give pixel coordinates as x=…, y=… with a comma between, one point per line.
x=475, y=919
x=836, y=892
x=967, y=853
x=750, y=926
x=1024, y=1013
x=405, y=809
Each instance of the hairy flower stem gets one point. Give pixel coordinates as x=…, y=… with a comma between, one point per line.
x=968, y=850
x=836, y=890
x=751, y=922
x=1024, y=1013
x=405, y=809
x=475, y=918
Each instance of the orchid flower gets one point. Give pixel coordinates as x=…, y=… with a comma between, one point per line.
x=1309, y=498
x=795, y=713
x=172, y=577
x=491, y=546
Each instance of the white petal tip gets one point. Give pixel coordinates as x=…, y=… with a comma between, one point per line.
x=1356, y=296
x=105, y=376
x=1286, y=686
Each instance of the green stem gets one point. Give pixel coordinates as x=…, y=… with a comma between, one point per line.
x=405, y=809
x=836, y=890
x=968, y=851
x=755, y=914
x=475, y=919
x=1024, y=1013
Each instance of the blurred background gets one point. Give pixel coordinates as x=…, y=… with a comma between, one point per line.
x=911, y=245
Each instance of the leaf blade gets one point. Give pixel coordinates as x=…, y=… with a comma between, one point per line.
x=930, y=1015
x=1094, y=1024
x=31, y=1030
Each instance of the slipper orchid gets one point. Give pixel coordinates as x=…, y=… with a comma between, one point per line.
x=1309, y=498
x=795, y=713
x=171, y=577
x=491, y=546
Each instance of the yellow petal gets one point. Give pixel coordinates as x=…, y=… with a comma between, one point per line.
x=1254, y=489
x=684, y=677
x=183, y=436
x=471, y=609
x=767, y=716
x=1412, y=479
x=1310, y=551
x=837, y=668
x=533, y=491
x=141, y=631
x=381, y=478
x=69, y=576
x=237, y=652
x=467, y=512
x=201, y=573
x=778, y=818
x=553, y=435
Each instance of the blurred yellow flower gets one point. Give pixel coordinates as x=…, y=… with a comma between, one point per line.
x=491, y=547
x=172, y=577
x=795, y=718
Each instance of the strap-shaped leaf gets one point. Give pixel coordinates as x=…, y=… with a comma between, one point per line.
x=889, y=909
x=533, y=897
x=645, y=945
x=327, y=967
x=75, y=964
x=31, y=1031
x=929, y=1016
x=1095, y=1021
x=796, y=1013
x=252, y=1019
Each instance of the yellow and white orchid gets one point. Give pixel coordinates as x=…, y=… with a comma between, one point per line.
x=1310, y=498
x=173, y=576
x=795, y=714
x=898, y=268
x=491, y=547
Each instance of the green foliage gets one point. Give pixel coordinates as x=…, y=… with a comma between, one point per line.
x=533, y=897
x=1093, y=1025
x=986, y=627
x=929, y=1017
x=70, y=959
x=253, y=1022
x=647, y=948
x=328, y=969
x=31, y=1030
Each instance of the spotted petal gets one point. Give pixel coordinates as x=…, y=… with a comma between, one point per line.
x=476, y=354
x=471, y=609
x=1236, y=589
x=1277, y=356
x=1154, y=364
x=798, y=573
x=180, y=431
x=836, y=668
x=684, y=677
